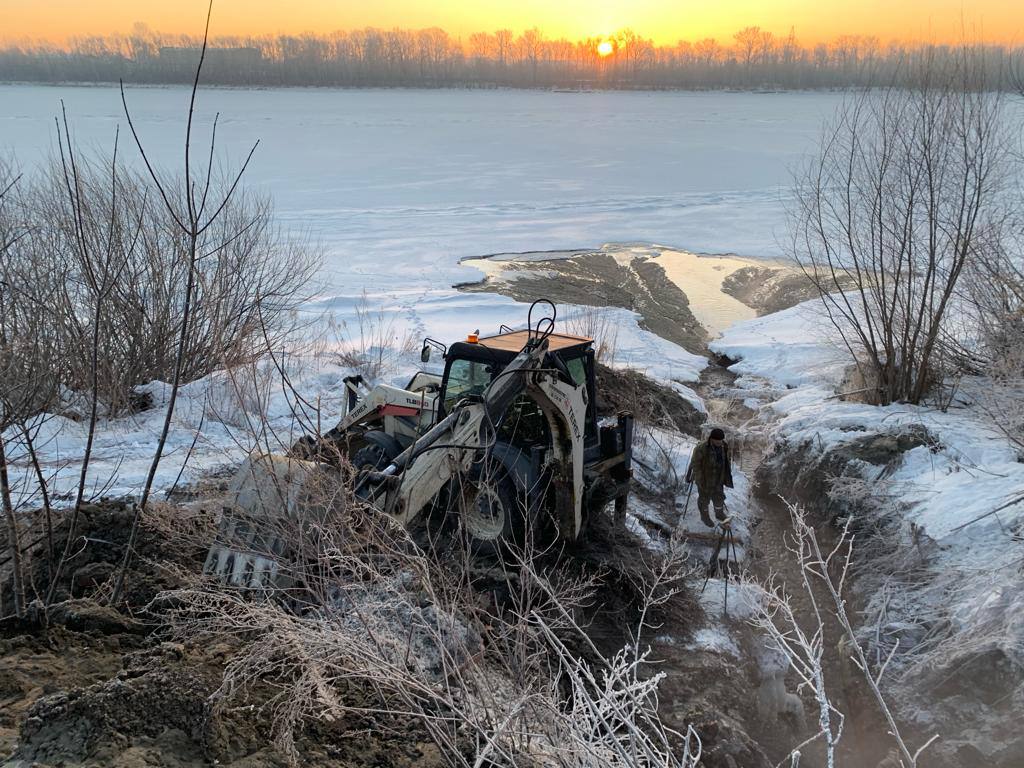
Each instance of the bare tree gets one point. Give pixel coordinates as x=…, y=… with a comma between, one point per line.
x=905, y=192
x=427, y=58
x=995, y=290
x=249, y=282
x=100, y=252
x=748, y=42
x=27, y=354
x=12, y=383
x=194, y=213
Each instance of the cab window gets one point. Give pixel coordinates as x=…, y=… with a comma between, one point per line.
x=465, y=377
x=578, y=371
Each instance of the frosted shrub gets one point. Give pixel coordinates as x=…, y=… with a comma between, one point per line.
x=250, y=279
x=375, y=624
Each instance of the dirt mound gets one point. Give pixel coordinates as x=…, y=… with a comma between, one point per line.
x=769, y=289
x=804, y=472
x=88, y=684
x=651, y=403
x=100, y=538
x=598, y=279
x=158, y=695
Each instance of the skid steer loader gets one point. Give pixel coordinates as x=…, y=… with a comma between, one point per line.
x=508, y=436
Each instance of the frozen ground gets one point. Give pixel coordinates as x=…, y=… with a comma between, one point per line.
x=942, y=493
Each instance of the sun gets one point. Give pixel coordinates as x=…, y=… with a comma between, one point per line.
x=605, y=48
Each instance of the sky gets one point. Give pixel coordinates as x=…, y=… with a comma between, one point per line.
x=663, y=20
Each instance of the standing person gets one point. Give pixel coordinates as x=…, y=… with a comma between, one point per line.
x=711, y=468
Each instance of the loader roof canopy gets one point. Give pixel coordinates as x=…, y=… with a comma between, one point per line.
x=516, y=340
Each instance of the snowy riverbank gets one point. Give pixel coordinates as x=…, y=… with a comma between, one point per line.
x=937, y=501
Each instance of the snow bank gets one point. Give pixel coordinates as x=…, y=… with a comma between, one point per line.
x=939, y=495
x=794, y=347
x=218, y=420
x=968, y=470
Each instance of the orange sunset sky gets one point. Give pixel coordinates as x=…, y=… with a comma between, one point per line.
x=663, y=20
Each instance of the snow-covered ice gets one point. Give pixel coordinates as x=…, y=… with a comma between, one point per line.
x=401, y=184
x=398, y=186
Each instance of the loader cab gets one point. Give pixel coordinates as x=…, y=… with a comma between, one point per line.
x=470, y=366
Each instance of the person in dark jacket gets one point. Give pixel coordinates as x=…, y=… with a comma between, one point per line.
x=711, y=469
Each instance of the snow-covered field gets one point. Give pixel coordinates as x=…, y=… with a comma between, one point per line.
x=398, y=185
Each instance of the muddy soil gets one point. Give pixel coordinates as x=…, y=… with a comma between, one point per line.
x=671, y=290
x=862, y=745
x=769, y=289
x=970, y=696
x=88, y=685
x=650, y=402
x=598, y=279
x=703, y=689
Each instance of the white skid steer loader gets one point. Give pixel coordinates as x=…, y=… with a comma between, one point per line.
x=512, y=423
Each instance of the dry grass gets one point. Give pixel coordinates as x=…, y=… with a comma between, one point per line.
x=376, y=625
x=374, y=342
x=597, y=323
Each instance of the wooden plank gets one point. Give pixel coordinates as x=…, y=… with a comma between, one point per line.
x=516, y=340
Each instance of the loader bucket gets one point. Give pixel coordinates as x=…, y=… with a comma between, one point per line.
x=269, y=497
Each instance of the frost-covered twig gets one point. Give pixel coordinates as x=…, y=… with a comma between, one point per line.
x=775, y=616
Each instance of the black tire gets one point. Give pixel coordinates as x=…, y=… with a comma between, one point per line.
x=327, y=448
x=371, y=456
x=492, y=515
x=496, y=520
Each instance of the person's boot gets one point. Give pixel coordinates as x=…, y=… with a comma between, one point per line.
x=706, y=519
x=720, y=514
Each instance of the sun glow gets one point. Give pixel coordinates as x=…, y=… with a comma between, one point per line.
x=664, y=21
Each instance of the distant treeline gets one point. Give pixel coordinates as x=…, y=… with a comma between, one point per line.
x=752, y=58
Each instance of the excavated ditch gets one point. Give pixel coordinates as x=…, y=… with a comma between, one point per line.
x=749, y=708
x=786, y=717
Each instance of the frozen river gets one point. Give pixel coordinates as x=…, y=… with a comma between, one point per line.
x=398, y=185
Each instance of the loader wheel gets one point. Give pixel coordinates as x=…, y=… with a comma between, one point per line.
x=496, y=517
x=370, y=456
